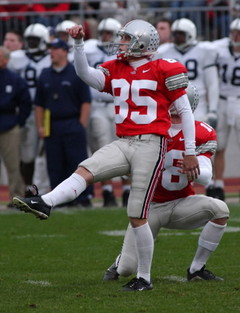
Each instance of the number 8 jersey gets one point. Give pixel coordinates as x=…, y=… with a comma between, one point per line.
x=142, y=96
x=173, y=185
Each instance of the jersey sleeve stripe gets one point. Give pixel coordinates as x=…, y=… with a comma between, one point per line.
x=177, y=81
x=209, y=146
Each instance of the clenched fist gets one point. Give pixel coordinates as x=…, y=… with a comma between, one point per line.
x=76, y=32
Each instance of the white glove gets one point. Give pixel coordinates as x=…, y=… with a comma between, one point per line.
x=211, y=119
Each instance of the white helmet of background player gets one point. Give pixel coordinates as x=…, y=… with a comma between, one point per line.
x=144, y=39
x=193, y=98
x=36, y=37
x=61, y=32
x=234, y=28
x=186, y=26
x=110, y=25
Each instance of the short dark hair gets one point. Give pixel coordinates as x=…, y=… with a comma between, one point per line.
x=16, y=32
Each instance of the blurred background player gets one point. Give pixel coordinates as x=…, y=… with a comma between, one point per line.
x=29, y=63
x=61, y=33
x=202, y=70
x=101, y=129
x=229, y=102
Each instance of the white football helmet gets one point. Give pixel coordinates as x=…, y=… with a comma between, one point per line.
x=188, y=27
x=61, y=32
x=109, y=25
x=234, y=26
x=144, y=39
x=37, y=31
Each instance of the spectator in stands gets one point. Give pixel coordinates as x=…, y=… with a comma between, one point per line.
x=9, y=21
x=219, y=20
x=13, y=40
x=54, y=19
x=189, y=10
x=123, y=11
x=15, y=107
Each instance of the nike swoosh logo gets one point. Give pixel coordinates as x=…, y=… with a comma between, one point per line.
x=145, y=71
x=33, y=202
x=181, y=139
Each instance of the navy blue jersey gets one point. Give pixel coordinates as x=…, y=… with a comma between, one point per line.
x=15, y=101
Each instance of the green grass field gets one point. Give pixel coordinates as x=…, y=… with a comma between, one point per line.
x=56, y=266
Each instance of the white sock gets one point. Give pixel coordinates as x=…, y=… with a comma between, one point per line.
x=67, y=191
x=144, y=245
x=207, y=243
x=127, y=263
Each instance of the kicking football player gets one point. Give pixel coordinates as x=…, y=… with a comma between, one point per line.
x=202, y=70
x=229, y=102
x=175, y=205
x=143, y=92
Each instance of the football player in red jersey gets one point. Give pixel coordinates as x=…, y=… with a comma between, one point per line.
x=143, y=92
x=175, y=205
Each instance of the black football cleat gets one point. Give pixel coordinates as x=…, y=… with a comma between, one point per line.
x=111, y=273
x=219, y=193
x=137, y=284
x=34, y=205
x=202, y=274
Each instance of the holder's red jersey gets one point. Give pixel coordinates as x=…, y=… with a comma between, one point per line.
x=173, y=185
x=142, y=96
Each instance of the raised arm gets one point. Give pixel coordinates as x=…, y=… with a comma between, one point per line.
x=91, y=76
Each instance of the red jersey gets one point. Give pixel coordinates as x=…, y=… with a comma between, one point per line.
x=173, y=185
x=142, y=96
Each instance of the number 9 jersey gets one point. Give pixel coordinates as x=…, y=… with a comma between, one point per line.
x=173, y=185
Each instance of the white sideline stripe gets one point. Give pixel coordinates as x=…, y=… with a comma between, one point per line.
x=39, y=236
x=38, y=282
x=122, y=232
x=176, y=278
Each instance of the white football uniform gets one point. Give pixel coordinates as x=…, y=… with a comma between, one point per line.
x=200, y=61
x=229, y=102
x=101, y=127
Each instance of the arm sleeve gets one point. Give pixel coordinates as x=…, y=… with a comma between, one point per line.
x=212, y=83
x=205, y=175
x=91, y=76
x=183, y=109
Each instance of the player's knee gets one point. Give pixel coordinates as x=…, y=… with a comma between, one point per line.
x=219, y=208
